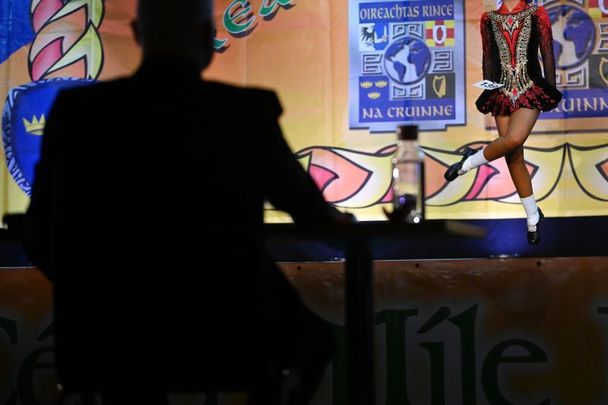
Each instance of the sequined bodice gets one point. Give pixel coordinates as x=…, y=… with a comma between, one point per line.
x=512, y=34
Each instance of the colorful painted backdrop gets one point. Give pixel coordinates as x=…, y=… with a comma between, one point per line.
x=340, y=69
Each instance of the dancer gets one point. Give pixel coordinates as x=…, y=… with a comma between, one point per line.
x=511, y=38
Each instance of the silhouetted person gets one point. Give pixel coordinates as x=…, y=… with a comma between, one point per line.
x=146, y=213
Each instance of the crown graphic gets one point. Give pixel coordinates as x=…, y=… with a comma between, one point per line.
x=381, y=84
x=367, y=85
x=35, y=126
x=374, y=95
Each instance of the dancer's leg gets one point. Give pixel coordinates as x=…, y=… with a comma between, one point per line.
x=513, y=131
x=519, y=173
x=520, y=125
x=502, y=124
x=515, y=161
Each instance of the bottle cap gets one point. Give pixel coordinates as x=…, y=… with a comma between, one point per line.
x=407, y=132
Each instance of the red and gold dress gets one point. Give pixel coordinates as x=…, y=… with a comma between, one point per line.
x=511, y=40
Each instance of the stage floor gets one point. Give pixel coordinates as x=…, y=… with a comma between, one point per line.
x=560, y=237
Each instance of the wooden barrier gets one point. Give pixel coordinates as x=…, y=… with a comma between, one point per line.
x=478, y=331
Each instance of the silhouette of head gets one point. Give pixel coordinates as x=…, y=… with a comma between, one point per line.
x=182, y=28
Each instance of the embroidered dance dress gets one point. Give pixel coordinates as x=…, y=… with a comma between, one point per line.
x=510, y=56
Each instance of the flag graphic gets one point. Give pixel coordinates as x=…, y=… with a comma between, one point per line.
x=598, y=8
x=439, y=33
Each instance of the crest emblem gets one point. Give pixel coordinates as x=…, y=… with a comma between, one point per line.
x=23, y=121
x=406, y=64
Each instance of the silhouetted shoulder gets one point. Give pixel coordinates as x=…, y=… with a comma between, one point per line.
x=254, y=99
x=81, y=95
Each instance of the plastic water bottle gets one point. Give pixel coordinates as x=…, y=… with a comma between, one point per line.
x=408, y=177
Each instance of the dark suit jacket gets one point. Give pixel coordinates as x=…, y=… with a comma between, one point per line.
x=146, y=213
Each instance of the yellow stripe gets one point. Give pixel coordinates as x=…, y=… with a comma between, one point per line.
x=595, y=13
x=447, y=23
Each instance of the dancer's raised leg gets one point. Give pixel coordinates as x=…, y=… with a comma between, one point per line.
x=516, y=129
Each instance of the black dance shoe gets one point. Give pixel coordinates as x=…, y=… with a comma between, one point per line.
x=452, y=171
x=534, y=236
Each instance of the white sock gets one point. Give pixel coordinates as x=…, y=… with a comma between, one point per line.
x=529, y=204
x=473, y=161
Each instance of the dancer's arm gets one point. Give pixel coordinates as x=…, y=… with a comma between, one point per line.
x=546, y=44
x=486, y=40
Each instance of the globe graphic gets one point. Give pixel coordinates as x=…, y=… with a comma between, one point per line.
x=407, y=60
x=573, y=35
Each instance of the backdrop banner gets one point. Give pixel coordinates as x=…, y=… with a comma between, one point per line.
x=348, y=73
